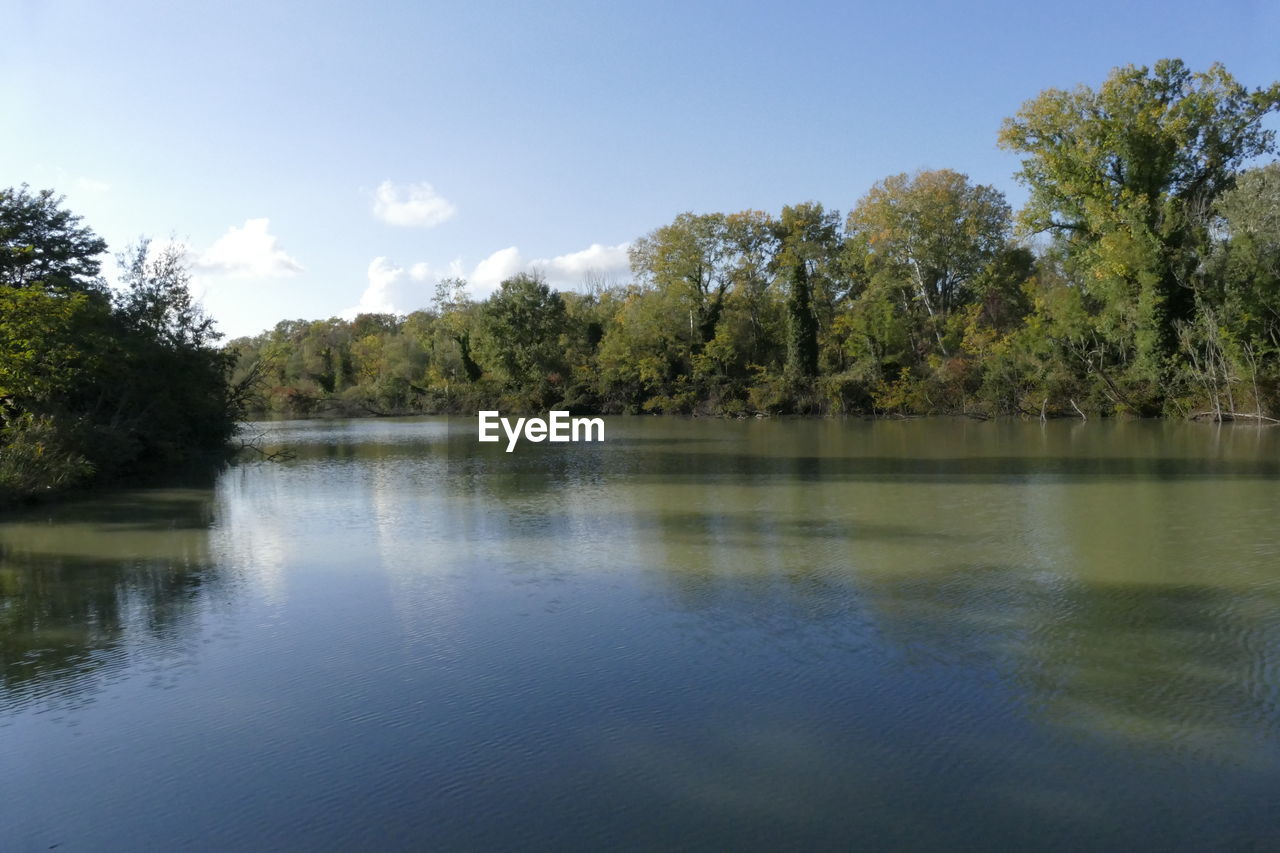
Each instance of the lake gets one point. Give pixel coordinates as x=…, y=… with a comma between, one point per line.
x=934, y=635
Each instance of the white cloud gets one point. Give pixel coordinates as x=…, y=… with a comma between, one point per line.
x=595, y=261
x=376, y=298
x=411, y=205
x=565, y=271
x=393, y=289
x=490, y=272
x=248, y=252
x=110, y=271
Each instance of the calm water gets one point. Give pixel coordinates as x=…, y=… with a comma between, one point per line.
x=706, y=635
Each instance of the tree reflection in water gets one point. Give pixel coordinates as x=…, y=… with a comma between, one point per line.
x=84, y=586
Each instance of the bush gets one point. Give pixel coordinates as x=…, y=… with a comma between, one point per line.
x=37, y=456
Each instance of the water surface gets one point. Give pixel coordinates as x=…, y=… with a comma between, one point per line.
x=934, y=634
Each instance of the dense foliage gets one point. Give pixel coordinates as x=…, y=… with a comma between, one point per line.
x=97, y=384
x=1142, y=277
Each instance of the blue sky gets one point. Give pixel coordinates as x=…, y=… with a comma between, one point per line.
x=318, y=158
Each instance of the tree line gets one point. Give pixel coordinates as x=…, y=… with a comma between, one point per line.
x=1142, y=277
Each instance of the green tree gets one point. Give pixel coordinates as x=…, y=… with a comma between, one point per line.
x=1235, y=339
x=927, y=240
x=44, y=244
x=1248, y=261
x=810, y=243
x=1126, y=176
x=693, y=258
x=164, y=386
x=644, y=351
x=46, y=344
x=156, y=296
x=92, y=385
x=457, y=321
x=523, y=322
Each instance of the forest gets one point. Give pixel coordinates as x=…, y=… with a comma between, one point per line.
x=1141, y=278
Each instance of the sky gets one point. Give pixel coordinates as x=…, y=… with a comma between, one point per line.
x=317, y=159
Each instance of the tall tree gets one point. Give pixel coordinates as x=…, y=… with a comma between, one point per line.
x=156, y=296
x=523, y=323
x=1126, y=176
x=809, y=243
x=929, y=237
x=1248, y=260
x=692, y=257
x=455, y=309
x=43, y=243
